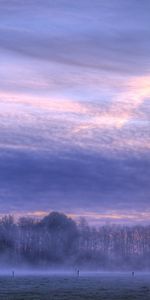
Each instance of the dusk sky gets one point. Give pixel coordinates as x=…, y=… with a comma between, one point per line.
x=75, y=109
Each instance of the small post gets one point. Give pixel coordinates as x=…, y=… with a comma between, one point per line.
x=13, y=274
x=132, y=273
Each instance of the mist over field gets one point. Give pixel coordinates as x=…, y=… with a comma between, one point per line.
x=57, y=243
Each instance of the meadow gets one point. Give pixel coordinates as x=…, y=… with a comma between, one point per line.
x=67, y=286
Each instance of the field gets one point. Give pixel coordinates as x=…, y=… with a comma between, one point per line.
x=108, y=286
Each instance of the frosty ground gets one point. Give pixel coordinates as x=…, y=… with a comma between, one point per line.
x=66, y=286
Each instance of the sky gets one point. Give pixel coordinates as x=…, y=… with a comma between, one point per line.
x=75, y=109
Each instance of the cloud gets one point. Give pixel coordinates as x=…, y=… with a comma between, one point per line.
x=98, y=36
x=74, y=107
x=51, y=181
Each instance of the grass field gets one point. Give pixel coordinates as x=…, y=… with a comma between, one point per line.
x=68, y=287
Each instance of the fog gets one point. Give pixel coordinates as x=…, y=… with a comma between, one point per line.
x=57, y=244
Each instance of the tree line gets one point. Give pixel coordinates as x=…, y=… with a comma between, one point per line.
x=57, y=240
